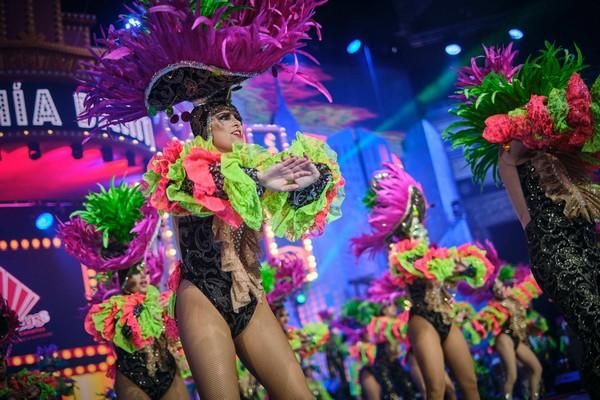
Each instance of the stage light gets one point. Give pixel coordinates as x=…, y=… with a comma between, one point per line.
x=34, y=150
x=453, y=49
x=301, y=298
x=354, y=46
x=44, y=221
x=77, y=150
x=515, y=34
x=107, y=153
x=132, y=23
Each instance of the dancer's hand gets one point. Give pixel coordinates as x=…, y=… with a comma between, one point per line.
x=282, y=176
x=306, y=174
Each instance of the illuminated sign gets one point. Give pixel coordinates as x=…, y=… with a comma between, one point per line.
x=26, y=105
x=22, y=299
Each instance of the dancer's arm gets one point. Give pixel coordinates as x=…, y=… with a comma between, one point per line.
x=508, y=162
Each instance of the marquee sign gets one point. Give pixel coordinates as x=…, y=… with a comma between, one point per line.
x=29, y=105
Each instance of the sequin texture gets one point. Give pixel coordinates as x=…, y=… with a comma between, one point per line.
x=565, y=261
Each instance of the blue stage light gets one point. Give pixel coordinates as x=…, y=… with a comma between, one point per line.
x=133, y=23
x=44, y=221
x=354, y=46
x=453, y=49
x=515, y=34
x=300, y=298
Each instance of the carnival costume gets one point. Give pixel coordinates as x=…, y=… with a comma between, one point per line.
x=113, y=235
x=424, y=271
x=545, y=105
x=370, y=349
x=199, y=52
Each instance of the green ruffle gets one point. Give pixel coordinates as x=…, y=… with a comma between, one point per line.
x=100, y=317
x=177, y=176
x=476, y=280
x=406, y=259
x=150, y=321
x=151, y=178
x=442, y=268
x=470, y=334
x=291, y=222
x=240, y=188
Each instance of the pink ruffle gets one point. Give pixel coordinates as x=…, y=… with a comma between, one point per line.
x=197, y=167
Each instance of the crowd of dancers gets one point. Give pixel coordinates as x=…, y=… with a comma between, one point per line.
x=427, y=327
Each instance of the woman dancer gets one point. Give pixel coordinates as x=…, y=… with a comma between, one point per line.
x=538, y=125
x=426, y=272
x=113, y=235
x=220, y=189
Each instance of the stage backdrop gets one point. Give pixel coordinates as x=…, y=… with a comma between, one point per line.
x=47, y=288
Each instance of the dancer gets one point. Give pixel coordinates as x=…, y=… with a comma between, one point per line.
x=378, y=349
x=220, y=189
x=385, y=291
x=113, y=235
x=427, y=273
x=538, y=125
x=504, y=317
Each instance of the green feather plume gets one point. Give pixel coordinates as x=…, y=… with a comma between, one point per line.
x=506, y=273
x=360, y=311
x=113, y=212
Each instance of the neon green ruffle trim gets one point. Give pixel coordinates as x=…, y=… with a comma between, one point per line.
x=240, y=188
x=294, y=223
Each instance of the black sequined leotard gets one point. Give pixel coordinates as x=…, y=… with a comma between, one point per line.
x=201, y=253
x=153, y=370
x=201, y=265
x=565, y=261
x=418, y=292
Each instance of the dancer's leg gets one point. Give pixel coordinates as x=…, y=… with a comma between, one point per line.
x=450, y=389
x=458, y=357
x=207, y=344
x=415, y=373
x=425, y=343
x=177, y=390
x=506, y=350
x=265, y=351
x=127, y=390
x=531, y=362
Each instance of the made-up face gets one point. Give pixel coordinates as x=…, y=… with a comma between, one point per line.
x=498, y=290
x=283, y=317
x=225, y=127
x=137, y=282
x=390, y=310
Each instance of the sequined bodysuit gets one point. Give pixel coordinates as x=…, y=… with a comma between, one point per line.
x=201, y=253
x=565, y=261
x=419, y=295
x=152, y=370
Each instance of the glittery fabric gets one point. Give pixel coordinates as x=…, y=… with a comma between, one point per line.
x=433, y=304
x=300, y=198
x=395, y=383
x=565, y=261
x=201, y=265
x=516, y=325
x=152, y=369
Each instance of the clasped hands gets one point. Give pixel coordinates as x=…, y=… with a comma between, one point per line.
x=292, y=173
